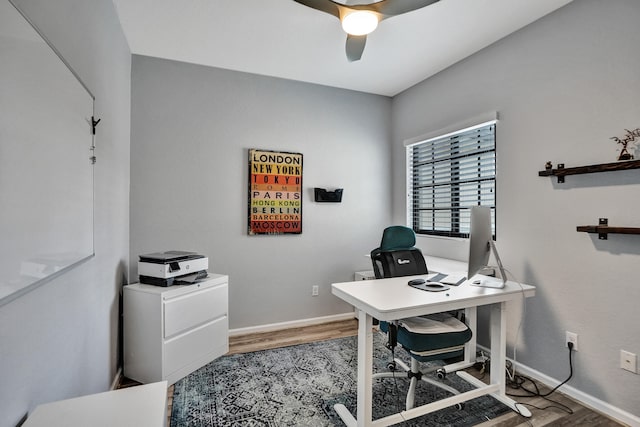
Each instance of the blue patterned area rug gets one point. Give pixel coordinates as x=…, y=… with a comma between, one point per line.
x=298, y=386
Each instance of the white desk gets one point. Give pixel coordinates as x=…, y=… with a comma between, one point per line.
x=140, y=406
x=392, y=299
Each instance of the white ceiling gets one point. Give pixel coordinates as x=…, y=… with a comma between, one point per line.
x=282, y=38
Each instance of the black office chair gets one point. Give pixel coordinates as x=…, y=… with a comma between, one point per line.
x=434, y=337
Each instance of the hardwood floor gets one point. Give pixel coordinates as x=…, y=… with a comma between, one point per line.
x=292, y=336
x=551, y=416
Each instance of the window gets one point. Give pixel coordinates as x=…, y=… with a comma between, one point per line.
x=449, y=174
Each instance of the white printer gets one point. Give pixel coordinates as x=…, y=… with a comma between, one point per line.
x=172, y=268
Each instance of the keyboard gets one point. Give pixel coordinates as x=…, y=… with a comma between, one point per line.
x=447, y=279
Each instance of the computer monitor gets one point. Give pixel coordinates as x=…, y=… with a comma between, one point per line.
x=480, y=247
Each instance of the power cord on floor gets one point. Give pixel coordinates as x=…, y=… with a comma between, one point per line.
x=511, y=374
x=516, y=381
x=519, y=381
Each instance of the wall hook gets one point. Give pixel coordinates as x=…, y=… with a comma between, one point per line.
x=94, y=123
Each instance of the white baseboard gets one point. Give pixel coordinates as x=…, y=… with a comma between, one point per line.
x=291, y=324
x=582, y=397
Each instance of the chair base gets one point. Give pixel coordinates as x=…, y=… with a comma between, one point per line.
x=415, y=374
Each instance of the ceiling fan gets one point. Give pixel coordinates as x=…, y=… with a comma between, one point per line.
x=361, y=19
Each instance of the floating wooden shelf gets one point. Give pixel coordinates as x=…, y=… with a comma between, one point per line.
x=561, y=171
x=603, y=229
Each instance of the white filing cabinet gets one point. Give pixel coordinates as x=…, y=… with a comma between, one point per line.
x=170, y=332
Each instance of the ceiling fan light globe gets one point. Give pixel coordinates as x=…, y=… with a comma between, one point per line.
x=359, y=23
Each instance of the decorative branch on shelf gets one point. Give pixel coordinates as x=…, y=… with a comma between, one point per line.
x=629, y=137
x=560, y=171
x=603, y=229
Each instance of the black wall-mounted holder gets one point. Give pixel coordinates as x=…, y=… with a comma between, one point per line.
x=322, y=195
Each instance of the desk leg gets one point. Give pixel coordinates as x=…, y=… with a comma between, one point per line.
x=471, y=317
x=365, y=371
x=498, y=345
x=499, y=356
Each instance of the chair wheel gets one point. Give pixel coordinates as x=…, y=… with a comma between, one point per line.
x=441, y=374
x=392, y=366
x=459, y=406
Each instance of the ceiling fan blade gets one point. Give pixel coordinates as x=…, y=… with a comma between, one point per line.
x=389, y=8
x=355, y=47
x=328, y=6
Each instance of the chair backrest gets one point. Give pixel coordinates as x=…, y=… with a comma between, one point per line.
x=397, y=255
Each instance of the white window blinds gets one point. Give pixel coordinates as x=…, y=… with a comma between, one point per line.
x=449, y=174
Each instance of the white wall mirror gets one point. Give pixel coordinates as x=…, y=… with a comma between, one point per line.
x=46, y=171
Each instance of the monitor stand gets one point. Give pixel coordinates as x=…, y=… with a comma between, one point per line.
x=487, y=282
x=492, y=282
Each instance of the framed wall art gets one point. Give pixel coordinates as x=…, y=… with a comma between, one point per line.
x=275, y=192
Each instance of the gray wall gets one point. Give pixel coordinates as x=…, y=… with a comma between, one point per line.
x=562, y=86
x=191, y=129
x=60, y=340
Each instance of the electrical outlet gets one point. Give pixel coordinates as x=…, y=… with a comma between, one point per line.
x=314, y=291
x=572, y=337
x=628, y=361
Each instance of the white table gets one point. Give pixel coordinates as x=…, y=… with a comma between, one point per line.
x=140, y=406
x=392, y=299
